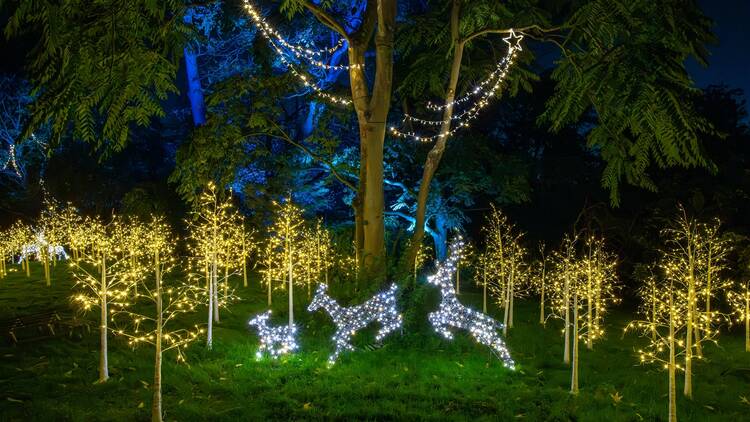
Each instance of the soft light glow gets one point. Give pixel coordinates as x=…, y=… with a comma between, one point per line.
x=380, y=308
x=452, y=313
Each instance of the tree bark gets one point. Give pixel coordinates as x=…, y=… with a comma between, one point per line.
x=436, y=153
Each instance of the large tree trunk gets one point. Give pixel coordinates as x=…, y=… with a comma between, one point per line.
x=372, y=113
x=436, y=153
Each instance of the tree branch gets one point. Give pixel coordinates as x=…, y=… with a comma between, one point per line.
x=411, y=219
x=326, y=19
x=507, y=31
x=285, y=137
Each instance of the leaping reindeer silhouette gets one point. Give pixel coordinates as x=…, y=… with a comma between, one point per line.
x=274, y=340
x=381, y=308
x=453, y=314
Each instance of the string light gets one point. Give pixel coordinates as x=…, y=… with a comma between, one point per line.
x=380, y=308
x=452, y=313
x=276, y=41
x=494, y=81
x=275, y=341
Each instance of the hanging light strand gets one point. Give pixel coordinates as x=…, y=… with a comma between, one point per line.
x=301, y=53
x=494, y=81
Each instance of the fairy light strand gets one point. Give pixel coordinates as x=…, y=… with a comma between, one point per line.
x=494, y=80
x=348, y=320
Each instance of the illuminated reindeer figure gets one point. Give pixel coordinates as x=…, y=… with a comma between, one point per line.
x=453, y=314
x=276, y=341
x=381, y=308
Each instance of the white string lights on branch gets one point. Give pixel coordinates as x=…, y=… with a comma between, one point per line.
x=380, y=308
x=298, y=52
x=484, y=92
x=452, y=313
x=275, y=341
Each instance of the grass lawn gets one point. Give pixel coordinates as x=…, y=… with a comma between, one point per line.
x=414, y=376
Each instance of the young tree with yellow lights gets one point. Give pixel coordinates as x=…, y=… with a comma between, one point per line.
x=21, y=239
x=505, y=257
x=562, y=277
x=169, y=300
x=103, y=279
x=739, y=300
x=316, y=256
x=593, y=290
x=286, y=234
x=691, y=262
x=213, y=230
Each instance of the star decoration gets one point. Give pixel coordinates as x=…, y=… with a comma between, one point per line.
x=514, y=41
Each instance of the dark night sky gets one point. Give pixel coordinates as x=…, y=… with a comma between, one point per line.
x=730, y=59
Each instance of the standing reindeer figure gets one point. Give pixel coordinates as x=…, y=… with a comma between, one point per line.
x=453, y=314
x=276, y=341
x=381, y=308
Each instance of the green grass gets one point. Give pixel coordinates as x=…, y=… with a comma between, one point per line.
x=414, y=376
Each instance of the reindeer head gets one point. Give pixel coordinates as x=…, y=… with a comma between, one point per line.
x=260, y=320
x=319, y=298
x=445, y=270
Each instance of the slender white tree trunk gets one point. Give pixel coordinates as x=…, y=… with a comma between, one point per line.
x=291, y=289
x=103, y=365
x=484, y=289
x=541, y=301
x=747, y=322
x=506, y=311
x=574, y=375
x=156, y=414
x=672, y=365
x=566, y=301
x=210, y=327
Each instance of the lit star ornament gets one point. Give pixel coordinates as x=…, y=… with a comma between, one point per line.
x=275, y=341
x=452, y=313
x=514, y=41
x=380, y=308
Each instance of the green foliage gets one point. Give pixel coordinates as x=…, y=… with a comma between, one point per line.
x=99, y=67
x=624, y=61
x=416, y=376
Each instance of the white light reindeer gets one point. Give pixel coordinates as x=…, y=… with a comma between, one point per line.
x=276, y=341
x=34, y=249
x=453, y=314
x=381, y=308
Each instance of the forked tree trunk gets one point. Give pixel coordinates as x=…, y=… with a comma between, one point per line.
x=103, y=366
